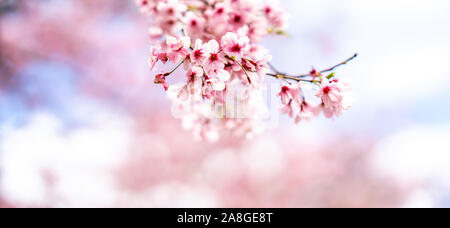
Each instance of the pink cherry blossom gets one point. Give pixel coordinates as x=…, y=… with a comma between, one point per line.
x=290, y=108
x=274, y=15
x=214, y=59
x=289, y=92
x=179, y=94
x=235, y=46
x=195, y=24
x=144, y=4
x=171, y=8
x=259, y=66
x=307, y=112
x=218, y=78
x=161, y=79
x=336, y=97
x=179, y=48
x=237, y=19
x=330, y=93
x=199, y=54
x=153, y=58
x=194, y=83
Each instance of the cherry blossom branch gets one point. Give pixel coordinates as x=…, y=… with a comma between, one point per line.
x=313, y=73
x=340, y=64
x=282, y=76
x=218, y=46
x=274, y=69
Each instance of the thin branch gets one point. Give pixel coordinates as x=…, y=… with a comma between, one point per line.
x=243, y=69
x=329, y=69
x=340, y=64
x=281, y=76
x=274, y=68
x=178, y=66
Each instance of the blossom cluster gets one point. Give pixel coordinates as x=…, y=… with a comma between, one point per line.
x=218, y=44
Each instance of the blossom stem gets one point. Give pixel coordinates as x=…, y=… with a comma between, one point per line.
x=178, y=66
x=243, y=69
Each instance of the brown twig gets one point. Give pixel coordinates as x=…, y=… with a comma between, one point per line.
x=282, y=76
x=329, y=69
x=300, y=78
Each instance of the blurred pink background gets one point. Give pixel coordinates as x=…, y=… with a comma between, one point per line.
x=82, y=125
